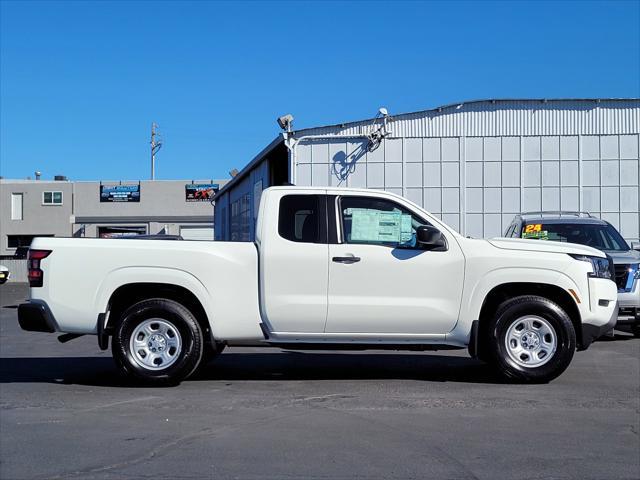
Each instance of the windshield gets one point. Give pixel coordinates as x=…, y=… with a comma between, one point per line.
x=602, y=237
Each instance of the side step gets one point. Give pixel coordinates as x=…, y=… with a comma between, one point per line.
x=364, y=346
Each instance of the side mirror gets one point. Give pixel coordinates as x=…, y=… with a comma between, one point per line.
x=635, y=246
x=430, y=238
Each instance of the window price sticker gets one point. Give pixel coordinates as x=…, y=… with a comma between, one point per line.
x=534, y=230
x=377, y=226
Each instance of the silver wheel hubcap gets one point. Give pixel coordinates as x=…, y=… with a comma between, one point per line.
x=531, y=341
x=155, y=344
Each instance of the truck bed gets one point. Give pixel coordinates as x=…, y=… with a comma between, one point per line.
x=80, y=275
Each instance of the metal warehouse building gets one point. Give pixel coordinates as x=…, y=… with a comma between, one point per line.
x=473, y=164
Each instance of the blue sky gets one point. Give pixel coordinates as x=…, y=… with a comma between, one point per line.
x=81, y=82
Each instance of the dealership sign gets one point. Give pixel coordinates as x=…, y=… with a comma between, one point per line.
x=119, y=193
x=200, y=192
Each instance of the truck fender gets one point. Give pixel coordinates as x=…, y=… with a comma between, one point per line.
x=474, y=299
x=162, y=275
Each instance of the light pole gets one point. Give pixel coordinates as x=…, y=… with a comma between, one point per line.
x=156, y=144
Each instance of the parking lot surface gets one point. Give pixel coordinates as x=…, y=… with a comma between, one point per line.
x=65, y=412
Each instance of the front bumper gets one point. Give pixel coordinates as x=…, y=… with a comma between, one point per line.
x=601, y=312
x=590, y=331
x=35, y=316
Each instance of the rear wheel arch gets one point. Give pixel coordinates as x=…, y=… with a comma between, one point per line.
x=129, y=294
x=505, y=291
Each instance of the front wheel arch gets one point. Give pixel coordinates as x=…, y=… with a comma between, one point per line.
x=505, y=291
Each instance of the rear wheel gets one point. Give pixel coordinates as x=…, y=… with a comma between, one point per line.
x=158, y=341
x=531, y=339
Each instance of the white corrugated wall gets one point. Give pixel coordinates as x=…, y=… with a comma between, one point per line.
x=477, y=165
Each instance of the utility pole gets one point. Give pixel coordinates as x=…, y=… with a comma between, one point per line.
x=156, y=144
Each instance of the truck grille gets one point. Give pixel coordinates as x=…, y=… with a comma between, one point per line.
x=622, y=274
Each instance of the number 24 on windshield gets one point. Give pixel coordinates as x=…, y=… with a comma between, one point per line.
x=533, y=228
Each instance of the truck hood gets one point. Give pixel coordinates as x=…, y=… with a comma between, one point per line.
x=544, y=246
x=630, y=256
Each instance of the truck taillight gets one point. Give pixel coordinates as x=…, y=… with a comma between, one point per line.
x=35, y=273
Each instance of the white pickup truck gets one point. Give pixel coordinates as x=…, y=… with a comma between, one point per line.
x=330, y=268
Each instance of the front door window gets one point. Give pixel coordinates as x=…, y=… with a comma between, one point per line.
x=375, y=221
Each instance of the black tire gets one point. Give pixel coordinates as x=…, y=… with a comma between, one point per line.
x=550, y=318
x=186, y=358
x=635, y=329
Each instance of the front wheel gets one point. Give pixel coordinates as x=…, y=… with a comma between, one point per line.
x=531, y=339
x=158, y=341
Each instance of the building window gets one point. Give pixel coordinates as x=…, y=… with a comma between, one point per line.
x=17, y=241
x=52, y=198
x=241, y=219
x=118, y=232
x=16, y=206
x=222, y=224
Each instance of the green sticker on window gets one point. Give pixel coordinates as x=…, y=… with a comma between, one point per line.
x=540, y=235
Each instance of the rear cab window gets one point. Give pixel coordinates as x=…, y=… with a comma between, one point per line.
x=302, y=218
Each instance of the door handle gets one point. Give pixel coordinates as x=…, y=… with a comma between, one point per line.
x=350, y=259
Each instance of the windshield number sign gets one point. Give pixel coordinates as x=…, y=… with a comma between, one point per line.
x=533, y=228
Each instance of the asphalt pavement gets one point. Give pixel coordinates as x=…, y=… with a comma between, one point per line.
x=65, y=412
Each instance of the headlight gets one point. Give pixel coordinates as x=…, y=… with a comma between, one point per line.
x=601, y=266
x=637, y=273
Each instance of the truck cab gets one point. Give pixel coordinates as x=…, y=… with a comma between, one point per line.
x=353, y=266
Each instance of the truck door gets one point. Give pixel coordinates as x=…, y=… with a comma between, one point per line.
x=381, y=281
x=294, y=266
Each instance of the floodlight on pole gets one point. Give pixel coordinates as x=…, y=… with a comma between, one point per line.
x=285, y=122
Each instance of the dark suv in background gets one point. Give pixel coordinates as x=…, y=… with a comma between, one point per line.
x=582, y=228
